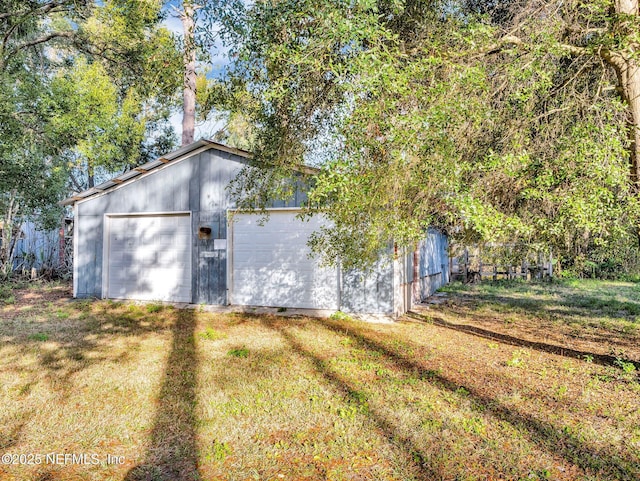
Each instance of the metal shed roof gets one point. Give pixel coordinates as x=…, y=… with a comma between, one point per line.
x=154, y=164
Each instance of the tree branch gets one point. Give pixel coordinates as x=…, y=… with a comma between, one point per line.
x=42, y=39
x=41, y=9
x=75, y=184
x=518, y=42
x=610, y=56
x=31, y=43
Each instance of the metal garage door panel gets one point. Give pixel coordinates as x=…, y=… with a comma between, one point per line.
x=272, y=266
x=149, y=258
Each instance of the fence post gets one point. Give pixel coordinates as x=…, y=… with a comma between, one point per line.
x=466, y=265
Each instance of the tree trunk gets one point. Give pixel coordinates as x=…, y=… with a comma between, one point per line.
x=627, y=69
x=189, y=92
x=631, y=93
x=7, y=241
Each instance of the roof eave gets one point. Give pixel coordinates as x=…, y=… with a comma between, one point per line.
x=163, y=160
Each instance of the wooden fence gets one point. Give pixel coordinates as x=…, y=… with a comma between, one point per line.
x=471, y=266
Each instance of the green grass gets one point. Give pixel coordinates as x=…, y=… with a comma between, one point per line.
x=184, y=394
x=239, y=352
x=6, y=294
x=601, y=315
x=211, y=334
x=619, y=300
x=39, y=336
x=151, y=308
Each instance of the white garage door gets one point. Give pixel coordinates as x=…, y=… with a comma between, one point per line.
x=270, y=264
x=149, y=257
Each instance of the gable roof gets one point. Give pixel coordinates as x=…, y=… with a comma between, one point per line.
x=131, y=175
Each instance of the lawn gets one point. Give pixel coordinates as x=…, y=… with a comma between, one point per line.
x=498, y=381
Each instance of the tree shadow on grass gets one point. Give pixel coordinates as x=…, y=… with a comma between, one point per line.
x=79, y=335
x=547, y=436
x=594, y=330
x=78, y=344
x=82, y=341
x=412, y=451
x=580, y=303
x=172, y=452
x=602, y=359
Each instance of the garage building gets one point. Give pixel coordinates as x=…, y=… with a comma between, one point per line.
x=167, y=231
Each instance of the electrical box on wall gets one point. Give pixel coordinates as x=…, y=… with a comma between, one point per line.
x=204, y=232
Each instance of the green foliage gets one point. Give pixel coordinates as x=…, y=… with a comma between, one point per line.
x=210, y=334
x=81, y=85
x=417, y=115
x=241, y=352
x=340, y=316
x=218, y=451
x=518, y=358
x=151, y=308
x=627, y=367
x=39, y=336
x=107, y=132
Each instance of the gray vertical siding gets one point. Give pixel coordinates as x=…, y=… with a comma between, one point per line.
x=88, y=260
x=37, y=248
x=370, y=292
x=211, y=277
x=161, y=191
x=198, y=184
x=434, y=262
x=433, y=271
x=217, y=169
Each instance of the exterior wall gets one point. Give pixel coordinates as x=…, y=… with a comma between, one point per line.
x=271, y=265
x=195, y=184
x=402, y=282
x=281, y=275
x=433, y=271
x=370, y=292
x=87, y=258
x=434, y=263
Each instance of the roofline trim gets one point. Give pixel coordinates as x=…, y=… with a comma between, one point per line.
x=138, y=172
x=122, y=183
x=178, y=155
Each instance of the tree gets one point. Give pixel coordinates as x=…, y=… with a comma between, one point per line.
x=118, y=96
x=189, y=89
x=425, y=113
x=582, y=117
x=603, y=30
x=79, y=84
x=201, y=25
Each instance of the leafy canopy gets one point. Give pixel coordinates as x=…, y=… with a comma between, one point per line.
x=428, y=114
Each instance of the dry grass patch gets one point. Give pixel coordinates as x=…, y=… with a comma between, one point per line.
x=596, y=318
x=184, y=394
